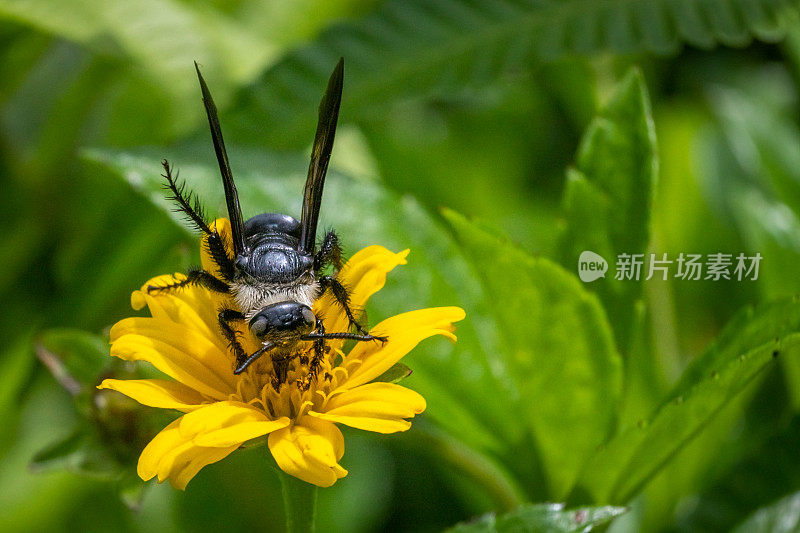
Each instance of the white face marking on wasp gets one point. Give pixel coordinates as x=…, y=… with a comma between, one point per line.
x=252, y=297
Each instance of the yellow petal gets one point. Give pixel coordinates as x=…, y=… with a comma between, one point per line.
x=379, y=407
x=372, y=423
x=404, y=332
x=187, y=368
x=170, y=455
x=192, y=307
x=240, y=433
x=162, y=393
x=213, y=353
x=163, y=444
x=189, y=461
x=363, y=275
x=389, y=394
x=309, y=450
x=138, y=300
x=228, y=423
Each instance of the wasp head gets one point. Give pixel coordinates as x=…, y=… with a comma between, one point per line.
x=282, y=322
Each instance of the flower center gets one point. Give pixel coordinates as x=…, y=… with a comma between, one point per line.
x=287, y=385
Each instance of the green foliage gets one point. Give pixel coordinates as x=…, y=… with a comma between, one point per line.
x=618, y=471
x=74, y=357
x=423, y=47
x=614, y=392
x=569, y=403
x=80, y=453
x=541, y=518
x=396, y=374
x=161, y=39
x=608, y=194
x=110, y=430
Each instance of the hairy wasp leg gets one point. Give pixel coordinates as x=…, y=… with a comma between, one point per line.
x=329, y=252
x=226, y=316
x=219, y=254
x=344, y=336
x=194, y=277
x=340, y=294
x=189, y=205
x=319, y=349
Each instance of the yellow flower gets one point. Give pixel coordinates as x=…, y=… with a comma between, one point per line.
x=222, y=410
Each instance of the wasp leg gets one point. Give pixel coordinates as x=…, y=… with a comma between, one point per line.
x=195, y=276
x=219, y=254
x=218, y=250
x=319, y=349
x=190, y=206
x=226, y=316
x=330, y=252
x=341, y=295
x=344, y=336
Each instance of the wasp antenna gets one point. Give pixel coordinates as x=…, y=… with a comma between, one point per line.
x=320, y=156
x=231, y=196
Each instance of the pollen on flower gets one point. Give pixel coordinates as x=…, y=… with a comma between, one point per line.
x=300, y=409
x=302, y=390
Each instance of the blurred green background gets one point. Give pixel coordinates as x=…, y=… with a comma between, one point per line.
x=619, y=126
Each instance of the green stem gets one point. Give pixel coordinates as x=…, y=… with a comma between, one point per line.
x=300, y=503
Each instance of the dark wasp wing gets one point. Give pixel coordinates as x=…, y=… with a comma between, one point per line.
x=320, y=155
x=231, y=196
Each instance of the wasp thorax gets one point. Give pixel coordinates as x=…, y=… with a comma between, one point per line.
x=274, y=259
x=282, y=320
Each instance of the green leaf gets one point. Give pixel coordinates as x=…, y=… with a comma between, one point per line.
x=559, y=346
x=161, y=37
x=753, y=326
x=542, y=517
x=628, y=461
x=80, y=452
x=618, y=156
x=608, y=195
x=76, y=358
x=61, y=453
x=781, y=516
x=397, y=373
x=466, y=384
x=437, y=47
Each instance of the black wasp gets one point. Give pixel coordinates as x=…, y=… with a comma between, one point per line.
x=276, y=272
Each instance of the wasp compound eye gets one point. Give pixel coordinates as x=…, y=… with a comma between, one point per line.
x=258, y=326
x=309, y=317
x=282, y=320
